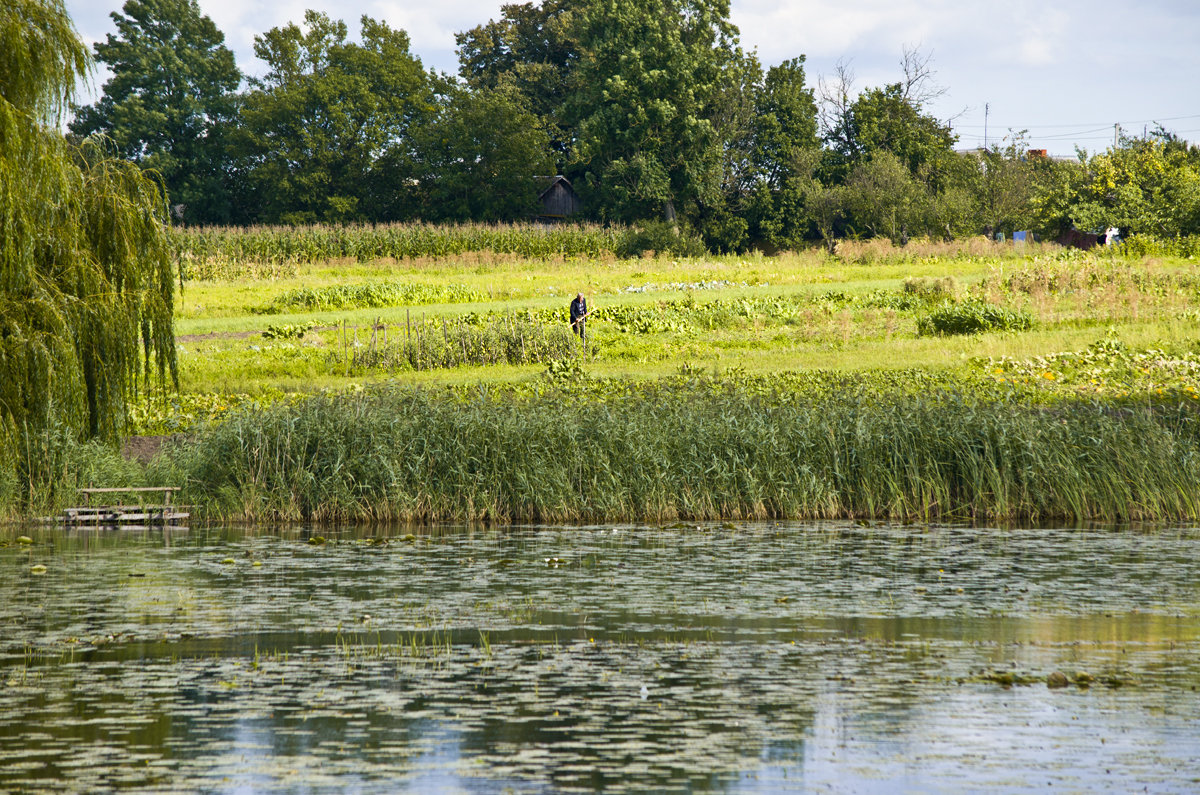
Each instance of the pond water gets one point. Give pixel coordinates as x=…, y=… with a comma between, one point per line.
x=749, y=658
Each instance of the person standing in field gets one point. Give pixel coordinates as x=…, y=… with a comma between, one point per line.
x=579, y=313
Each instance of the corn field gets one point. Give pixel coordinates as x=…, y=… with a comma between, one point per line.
x=199, y=247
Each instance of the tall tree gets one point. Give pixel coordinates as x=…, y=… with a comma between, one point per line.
x=884, y=200
x=532, y=48
x=883, y=119
x=1143, y=186
x=328, y=111
x=642, y=102
x=480, y=159
x=784, y=156
x=890, y=119
x=86, y=283
x=170, y=97
x=1004, y=186
x=786, y=121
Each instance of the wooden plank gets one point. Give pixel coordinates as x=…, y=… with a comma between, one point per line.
x=122, y=515
x=122, y=518
x=149, y=506
x=119, y=490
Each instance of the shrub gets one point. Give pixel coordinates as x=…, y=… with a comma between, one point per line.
x=1186, y=246
x=973, y=317
x=500, y=339
x=372, y=295
x=660, y=237
x=931, y=288
x=288, y=331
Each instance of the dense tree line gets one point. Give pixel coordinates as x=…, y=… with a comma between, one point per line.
x=650, y=107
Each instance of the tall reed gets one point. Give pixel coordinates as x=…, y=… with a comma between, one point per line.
x=692, y=450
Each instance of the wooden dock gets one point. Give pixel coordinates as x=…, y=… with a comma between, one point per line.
x=129, y=515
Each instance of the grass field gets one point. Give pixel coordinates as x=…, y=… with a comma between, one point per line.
x=344, y=324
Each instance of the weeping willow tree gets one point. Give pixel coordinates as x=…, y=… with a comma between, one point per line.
x=86, y=281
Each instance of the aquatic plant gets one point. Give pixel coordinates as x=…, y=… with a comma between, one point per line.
x=694, y=448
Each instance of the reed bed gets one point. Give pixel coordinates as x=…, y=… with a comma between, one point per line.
x=694, y=449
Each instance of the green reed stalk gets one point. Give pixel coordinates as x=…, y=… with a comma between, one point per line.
x=695, y=450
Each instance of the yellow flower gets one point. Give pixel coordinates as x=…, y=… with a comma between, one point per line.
x=1048, y=376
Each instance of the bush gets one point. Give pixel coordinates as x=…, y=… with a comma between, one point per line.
x=931, y=288
x=660, y=237
x=972, y=317
x=1184, y=247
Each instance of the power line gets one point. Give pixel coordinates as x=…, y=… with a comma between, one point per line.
x=1107, y=125
x=1062, y=136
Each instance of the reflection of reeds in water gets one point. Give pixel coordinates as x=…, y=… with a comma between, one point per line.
x=431, y=647
x=700, y=449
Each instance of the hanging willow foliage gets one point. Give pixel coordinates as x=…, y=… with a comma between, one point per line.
x=86, y=281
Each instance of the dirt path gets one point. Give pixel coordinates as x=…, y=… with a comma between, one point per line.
x=217, y=335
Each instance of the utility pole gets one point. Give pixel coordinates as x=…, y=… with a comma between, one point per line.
x=986, y=108
x=1116, y=135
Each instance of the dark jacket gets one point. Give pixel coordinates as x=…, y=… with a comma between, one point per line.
x=578, y=308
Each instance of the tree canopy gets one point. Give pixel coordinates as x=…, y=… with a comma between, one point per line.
x=325, y=114
x=650, y=108
x=169, y=100
x=480, y=158
x=642, y=100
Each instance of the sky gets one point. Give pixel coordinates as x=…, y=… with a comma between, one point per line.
x=1065, y=71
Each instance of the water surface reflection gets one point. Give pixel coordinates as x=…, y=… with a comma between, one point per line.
x=752, y=658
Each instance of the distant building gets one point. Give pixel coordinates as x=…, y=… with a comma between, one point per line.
x=1073, y=238
x=559, y=200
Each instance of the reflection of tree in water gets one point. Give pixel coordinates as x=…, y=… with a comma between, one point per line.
x=583, y=719
x=491, y=658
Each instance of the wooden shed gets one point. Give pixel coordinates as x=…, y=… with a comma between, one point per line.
x=559, y=200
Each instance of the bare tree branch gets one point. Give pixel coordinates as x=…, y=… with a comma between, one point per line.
x=834, y=102
x=919, y=85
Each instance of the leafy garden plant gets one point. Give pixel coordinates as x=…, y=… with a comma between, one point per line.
x=973, y=317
